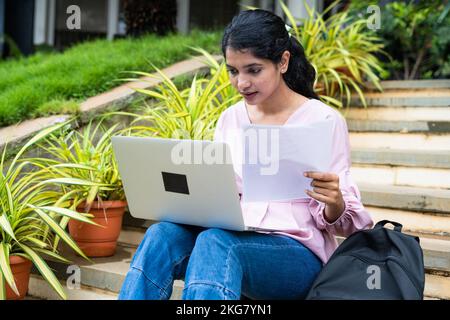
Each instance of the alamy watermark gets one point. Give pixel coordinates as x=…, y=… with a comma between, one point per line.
x=374, y=280
x=374, y=20
x=262, y=145
x=74, y=280
x=73, y=22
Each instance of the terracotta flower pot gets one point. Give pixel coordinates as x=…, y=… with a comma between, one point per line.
x=96, y=241
x=21, y=269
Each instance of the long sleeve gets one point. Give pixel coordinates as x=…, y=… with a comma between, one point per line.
x=355, y=217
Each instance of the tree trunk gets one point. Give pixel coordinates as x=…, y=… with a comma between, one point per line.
x=406, y=67
x=419, y=60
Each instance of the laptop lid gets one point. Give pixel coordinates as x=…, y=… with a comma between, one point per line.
x=182, y=181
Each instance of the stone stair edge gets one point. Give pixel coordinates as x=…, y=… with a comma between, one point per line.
x=426, y=200
x=411, y=84
x=39, y=289
x=402, y=157
x=407, y=190
x=423, y=225
x=391, y=100
x=413, y=126
x=437, y=286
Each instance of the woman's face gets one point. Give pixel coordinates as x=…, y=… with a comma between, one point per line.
x=255, y=79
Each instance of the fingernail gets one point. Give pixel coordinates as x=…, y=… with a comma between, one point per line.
x=305, y=174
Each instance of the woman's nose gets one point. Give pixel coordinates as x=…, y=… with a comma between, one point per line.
x=243, y=83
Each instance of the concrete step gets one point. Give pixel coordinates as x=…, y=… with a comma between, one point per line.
x=39, y=289
x=400, y=141
x=404, y=114
x=104, y=273
x=357, y=125
x=425, y=97
x=407, y=158
x=421, y=223
x=401, y=176
x=410, y=85
x=101, y=279
x=436, y=253
x=406, y=198
x=131, y=236
x=437, y=287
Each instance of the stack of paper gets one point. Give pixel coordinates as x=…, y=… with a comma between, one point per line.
x=275, y=158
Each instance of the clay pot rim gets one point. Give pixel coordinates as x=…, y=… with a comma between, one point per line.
x=105, y=204
x=14, y=259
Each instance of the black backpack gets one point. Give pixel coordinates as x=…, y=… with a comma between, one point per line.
x=373, y=264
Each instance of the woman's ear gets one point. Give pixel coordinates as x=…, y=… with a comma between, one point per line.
x=284, y=63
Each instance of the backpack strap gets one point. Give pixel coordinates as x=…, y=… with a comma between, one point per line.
x=397, y=226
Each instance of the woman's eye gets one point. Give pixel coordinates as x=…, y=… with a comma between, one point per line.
x=252, y=71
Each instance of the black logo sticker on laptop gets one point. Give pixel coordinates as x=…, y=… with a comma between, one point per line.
x=174, y=182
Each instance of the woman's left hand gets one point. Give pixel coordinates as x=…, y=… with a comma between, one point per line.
x=326, y=189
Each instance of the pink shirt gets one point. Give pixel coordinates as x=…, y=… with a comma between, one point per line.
x=304, y=218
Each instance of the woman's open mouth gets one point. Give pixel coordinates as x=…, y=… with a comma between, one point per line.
x=249, y=95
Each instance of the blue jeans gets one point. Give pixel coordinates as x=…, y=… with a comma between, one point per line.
x=218, y=264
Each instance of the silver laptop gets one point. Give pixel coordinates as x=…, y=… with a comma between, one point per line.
x=180, y=181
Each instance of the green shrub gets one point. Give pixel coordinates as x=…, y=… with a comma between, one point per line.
x=416, y=35
x=341, y=51
x=86, y=70
x=185, y=113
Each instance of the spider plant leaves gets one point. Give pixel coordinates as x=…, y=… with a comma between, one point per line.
x=58, y=230
x=44, y=270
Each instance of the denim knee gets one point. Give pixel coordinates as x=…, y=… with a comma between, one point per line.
x=213, y=271
x=214, y=237
x=138, y=287
x=160, y=258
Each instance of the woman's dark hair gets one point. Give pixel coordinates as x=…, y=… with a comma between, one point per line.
x=264, y=34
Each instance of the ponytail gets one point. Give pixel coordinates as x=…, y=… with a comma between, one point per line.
x=300, y=75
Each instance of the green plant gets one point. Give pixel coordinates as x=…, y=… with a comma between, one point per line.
x=82, y=164
x=57, y=106
x=341, y=51
x=86, y=70
x=191, y=113
x=30, y=217
x=416, y=35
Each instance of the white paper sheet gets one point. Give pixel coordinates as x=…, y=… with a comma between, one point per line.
x=275, y=158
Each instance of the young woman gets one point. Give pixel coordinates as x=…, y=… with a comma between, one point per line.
x=270, y=70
